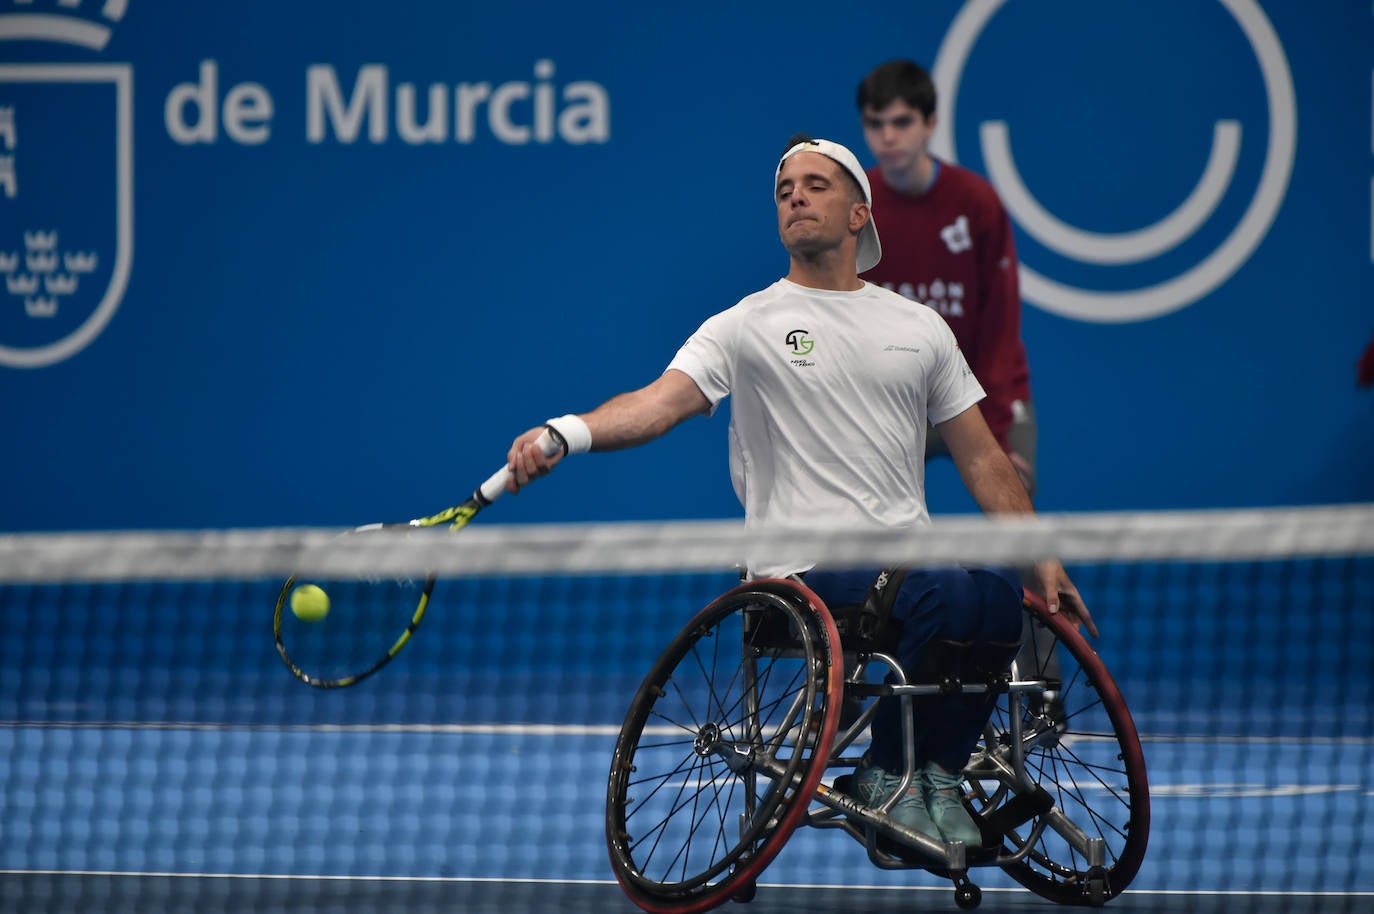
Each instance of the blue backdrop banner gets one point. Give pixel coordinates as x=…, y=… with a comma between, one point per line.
x=318, y=263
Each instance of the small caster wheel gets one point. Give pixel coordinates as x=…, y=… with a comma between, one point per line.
x=745, y=893
x=967, y=896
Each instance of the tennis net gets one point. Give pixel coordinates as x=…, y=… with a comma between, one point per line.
x=150, y=731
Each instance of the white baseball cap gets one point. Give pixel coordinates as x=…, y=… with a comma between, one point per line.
x=869, y=250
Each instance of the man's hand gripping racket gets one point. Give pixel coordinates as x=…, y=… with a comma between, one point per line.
x=367, y=621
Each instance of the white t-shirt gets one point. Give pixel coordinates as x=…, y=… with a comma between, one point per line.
x=832, y=395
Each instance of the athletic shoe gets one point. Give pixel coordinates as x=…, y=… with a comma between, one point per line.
x=874, y=785
x=944, y=798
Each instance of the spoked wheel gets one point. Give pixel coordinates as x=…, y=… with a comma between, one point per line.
x=723, y=747
x=1083, y=754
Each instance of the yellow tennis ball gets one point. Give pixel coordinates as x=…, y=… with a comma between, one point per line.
x=310, y=603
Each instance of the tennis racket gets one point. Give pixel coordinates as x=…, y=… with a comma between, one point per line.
x=370, y=619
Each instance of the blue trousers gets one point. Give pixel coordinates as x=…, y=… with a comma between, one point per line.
x=957, y=604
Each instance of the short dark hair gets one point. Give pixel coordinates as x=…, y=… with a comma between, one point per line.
x=904, y=79
x=856, y=191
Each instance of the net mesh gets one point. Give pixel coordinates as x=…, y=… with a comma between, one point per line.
x=155, y=748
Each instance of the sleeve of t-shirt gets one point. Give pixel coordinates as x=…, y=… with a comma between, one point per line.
x=708, y=357
x=953, y=388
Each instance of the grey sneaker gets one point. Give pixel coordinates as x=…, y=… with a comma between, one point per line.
x=874, y=785
x=944, y=798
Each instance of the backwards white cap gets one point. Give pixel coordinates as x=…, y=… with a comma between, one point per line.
x=869, y=250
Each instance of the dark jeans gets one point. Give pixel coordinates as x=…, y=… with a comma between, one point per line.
x=956, y=604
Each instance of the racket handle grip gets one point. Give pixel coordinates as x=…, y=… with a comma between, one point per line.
x=495, y=486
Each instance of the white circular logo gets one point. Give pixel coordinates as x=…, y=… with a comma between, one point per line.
x=1141, y=244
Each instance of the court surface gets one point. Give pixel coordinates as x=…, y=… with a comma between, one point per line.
x=203, y=818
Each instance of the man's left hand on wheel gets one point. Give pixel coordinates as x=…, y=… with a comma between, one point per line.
x=1062, y=596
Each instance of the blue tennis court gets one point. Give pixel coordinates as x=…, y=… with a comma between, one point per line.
x=527, y=803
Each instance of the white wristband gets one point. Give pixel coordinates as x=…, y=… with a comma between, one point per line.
x=574, y=432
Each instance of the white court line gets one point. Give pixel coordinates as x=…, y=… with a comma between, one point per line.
x=1238, y=893
x=1218, y=791
x=321, y=878
x=499, y=729
x=1157, y=791
x=590, y=730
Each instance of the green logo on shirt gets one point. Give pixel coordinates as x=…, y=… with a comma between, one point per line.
x=800, y=343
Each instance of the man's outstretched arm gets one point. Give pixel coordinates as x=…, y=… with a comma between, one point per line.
x=624, y=421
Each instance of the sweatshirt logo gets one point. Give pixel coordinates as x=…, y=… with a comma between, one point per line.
x=956, y=235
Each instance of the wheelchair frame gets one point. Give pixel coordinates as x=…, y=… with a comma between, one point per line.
x=724, y=748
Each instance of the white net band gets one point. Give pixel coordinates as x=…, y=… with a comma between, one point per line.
x=685, y=546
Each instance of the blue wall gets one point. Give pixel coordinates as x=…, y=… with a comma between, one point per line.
x=298, y=329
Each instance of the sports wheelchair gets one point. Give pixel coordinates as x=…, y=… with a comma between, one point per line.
x=724, y=750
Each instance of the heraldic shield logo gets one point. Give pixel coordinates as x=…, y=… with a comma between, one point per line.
x=66, y=182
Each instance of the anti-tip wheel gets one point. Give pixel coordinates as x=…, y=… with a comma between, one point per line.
x=967, y=896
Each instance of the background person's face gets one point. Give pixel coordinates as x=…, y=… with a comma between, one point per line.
x=897, y=135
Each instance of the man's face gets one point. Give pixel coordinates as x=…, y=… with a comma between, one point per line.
x=815, y=203
x=897, y=135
